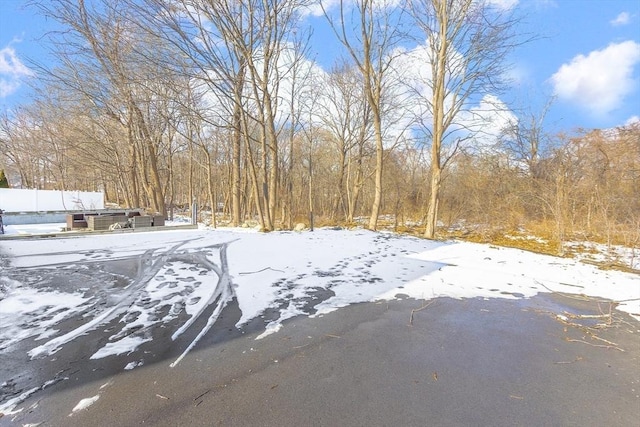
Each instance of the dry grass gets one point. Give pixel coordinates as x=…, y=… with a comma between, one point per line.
x=537, y=238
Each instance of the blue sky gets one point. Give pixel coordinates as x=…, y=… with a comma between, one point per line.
x=586, y=55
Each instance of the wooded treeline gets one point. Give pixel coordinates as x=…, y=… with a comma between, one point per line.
x=159, y=103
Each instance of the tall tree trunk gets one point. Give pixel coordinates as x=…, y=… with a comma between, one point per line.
x=237, y=147
x=264, y=202
x=434, y=201
x=156, y=184
x=210, y=188
x=132, y=185
x=273, y=185
x=439, y=82
x=253, y=174
x=357, y=185
x=377, y=199
x=235, y=171
x=191, y=190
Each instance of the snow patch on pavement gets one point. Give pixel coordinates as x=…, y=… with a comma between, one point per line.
x=125, y=345
x=84, y=404
x=39, y=309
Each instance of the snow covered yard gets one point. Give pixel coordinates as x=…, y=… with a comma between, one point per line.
x=183, y=279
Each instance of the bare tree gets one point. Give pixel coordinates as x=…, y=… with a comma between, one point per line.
x=345, y=113
x=371, y=32
x=20, y=150
x=236, y=50
x=524, y=139
x=466, y=45
x=105, y=61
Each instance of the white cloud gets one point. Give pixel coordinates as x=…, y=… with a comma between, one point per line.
x=318, y=7
x=481, y=119
x=518, y=74
x=11, y=64
x=487, y=120
x=600, y=81
x=7, y=87
x=12, y=70
x=622, y=19
x=504, y=4
x=632, y=121
x=543, y=4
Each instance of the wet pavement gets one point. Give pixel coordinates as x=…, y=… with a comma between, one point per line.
x=452, y=362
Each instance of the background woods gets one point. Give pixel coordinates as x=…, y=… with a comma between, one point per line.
x=159, y=103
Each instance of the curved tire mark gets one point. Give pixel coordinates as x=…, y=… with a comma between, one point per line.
x=223, y=294
x=148, y=269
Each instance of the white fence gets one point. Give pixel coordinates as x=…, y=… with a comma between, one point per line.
x=20, y=200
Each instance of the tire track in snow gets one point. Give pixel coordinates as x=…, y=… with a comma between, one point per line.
x=223, y=293
x=144, y=276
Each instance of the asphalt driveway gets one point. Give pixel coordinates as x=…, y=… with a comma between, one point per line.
x=452, y=362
